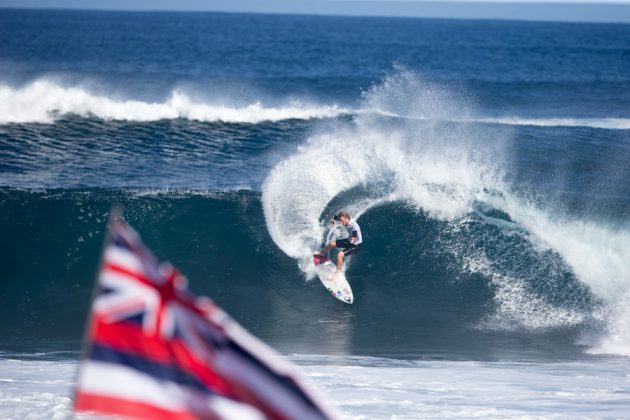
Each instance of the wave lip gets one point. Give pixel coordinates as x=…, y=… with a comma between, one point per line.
x=43, y=101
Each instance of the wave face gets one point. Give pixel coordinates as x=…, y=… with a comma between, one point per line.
x=418, y=286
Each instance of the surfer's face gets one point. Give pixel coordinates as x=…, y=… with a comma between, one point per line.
x=344, y=220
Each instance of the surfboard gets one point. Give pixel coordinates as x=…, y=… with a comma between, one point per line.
x=337, y=285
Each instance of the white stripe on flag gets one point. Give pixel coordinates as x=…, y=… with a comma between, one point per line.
x=124, y=258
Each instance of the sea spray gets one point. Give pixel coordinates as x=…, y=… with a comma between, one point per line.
x=438, y=167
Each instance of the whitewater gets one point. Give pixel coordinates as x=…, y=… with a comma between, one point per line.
x=359, y=385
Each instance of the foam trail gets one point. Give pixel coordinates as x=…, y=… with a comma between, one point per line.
x=605, y=123
x=43, y=101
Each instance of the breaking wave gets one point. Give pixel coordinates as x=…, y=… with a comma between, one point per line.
x=43, y=101
x=546, y=270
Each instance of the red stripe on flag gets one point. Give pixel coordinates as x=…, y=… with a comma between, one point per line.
x=129, y=338
x=92, y=402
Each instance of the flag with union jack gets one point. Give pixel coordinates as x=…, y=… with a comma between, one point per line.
x=155, y=350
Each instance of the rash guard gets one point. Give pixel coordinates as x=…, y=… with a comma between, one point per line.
x=354, y=231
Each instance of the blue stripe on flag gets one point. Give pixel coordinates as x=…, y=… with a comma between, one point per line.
x=105, y=290
x=286, y=381
x=119, y=240
x=226, y=344
x=159, y=371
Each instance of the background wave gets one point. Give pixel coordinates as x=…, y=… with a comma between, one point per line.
x=46, y=101
x=43, y=101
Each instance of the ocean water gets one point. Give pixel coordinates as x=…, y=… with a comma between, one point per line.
x=487, y=163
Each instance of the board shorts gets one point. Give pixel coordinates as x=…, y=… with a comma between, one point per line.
x=347, y=247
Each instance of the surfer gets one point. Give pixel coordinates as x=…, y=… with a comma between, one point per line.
x=346, y=246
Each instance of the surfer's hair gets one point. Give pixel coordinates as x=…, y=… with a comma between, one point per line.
x=343, y=214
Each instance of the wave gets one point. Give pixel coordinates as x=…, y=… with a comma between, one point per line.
x=221, y=242
x=42, y=101
x=604, y=123
x=537, y=262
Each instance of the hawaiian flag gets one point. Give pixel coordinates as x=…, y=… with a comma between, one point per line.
x=155, y=350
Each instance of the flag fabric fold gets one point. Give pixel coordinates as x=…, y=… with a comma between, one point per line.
x=155, y=350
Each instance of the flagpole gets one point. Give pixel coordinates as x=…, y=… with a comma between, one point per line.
x=115, y=213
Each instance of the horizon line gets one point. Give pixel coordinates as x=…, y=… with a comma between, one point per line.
x=528, y=11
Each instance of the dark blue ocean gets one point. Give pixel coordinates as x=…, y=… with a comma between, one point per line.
x=487, y=163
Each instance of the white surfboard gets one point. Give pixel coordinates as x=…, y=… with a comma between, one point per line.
x=337, y=284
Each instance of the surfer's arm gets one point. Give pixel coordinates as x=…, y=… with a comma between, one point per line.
x=355, y=236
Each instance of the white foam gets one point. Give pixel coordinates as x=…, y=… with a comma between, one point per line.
x=37, y=390
x=518, y=307
x=43, y=101
x=598, y=254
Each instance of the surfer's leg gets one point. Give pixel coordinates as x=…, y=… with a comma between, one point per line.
x=339, y=261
